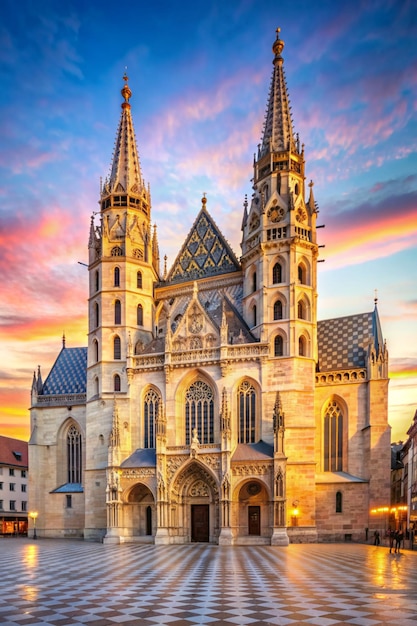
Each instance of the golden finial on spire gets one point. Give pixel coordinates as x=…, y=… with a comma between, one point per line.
x=126, y=93
x=278, y=45
x=204, y=199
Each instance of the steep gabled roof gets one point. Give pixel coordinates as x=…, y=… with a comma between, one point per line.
x=205, y=252
x=68, y=374
x=13, y=452
x=343, y=342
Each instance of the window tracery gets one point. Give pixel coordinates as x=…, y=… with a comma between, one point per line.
x=199, y=412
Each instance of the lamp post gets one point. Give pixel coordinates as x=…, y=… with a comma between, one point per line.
x=33, y=515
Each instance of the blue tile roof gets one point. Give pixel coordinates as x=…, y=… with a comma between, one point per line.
x=69, y=488
x=143, y=457
x=68, y=374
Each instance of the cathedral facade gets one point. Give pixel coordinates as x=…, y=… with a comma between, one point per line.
x=210, y=404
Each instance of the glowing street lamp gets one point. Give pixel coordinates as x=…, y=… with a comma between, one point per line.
x=33, y=515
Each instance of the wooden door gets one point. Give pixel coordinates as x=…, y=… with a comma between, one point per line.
x=254, y=520
x=200, y=522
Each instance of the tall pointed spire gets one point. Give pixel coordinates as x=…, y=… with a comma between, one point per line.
x=278, y=132
x=125, y=175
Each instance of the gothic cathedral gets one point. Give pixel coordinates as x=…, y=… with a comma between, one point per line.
x=211, y=405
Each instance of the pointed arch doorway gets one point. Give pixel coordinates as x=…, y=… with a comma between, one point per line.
x=200, y=523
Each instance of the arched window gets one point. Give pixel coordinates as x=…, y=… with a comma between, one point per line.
x=95, y=350
x=296, y=189
x=301, y=274
x=117, y=349
x=116, y=277
x=117, y=382
x=150, y=413
x=278, y=310
x=254, y=315
x=302, y=346
x=74, y=459
x=278, y=346
x=117, y=251
x=254, y=282
x=139, y=280
x=97, y=280
x=139, y=315
x=277, y=273
x=117, y=312
x=96, y=315
x=96, y=386
x=339, y=502
x=199, y=412
x=301, y=310
x=333, y=438
x=246, y=401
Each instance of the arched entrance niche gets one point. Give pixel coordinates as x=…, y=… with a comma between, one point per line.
x=140, y=512
x=253, y=516
x=195, y=504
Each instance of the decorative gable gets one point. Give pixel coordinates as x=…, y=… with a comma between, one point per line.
x=195, y=330
x=205, y=252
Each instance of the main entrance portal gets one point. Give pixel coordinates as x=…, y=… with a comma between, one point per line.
x=200, y=522
x=254, y=521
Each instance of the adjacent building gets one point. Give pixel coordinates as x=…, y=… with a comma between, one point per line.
x=13, y=486
x=210, y=404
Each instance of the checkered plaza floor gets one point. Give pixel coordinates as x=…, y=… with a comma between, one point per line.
x=77, y=583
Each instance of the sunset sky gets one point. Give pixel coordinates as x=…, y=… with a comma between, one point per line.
x=199, y=74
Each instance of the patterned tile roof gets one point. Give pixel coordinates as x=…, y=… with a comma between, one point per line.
x=68, y=374
x=204, y=253
x=343, y=342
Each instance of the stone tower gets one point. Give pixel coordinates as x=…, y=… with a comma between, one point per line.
x=123, y=268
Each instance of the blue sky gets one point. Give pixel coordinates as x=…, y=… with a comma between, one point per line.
x=199, y=74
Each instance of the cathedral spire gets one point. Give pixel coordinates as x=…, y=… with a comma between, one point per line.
x=278, y=134
x=125, y=175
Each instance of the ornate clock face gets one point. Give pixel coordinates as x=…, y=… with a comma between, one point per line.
x=301, y=215
x=276, y=213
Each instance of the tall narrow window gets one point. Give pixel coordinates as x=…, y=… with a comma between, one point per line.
x=117, y=312
x=117, y=382
x=301, y=274
x=139, y=315
x=254, y=316
x=95, y=350
x=277, y=273
x=278, y=310
x=339, y=502
x=150, y=413
x=117, y=350
x=199, y=412
x=96, y=280
x=96, y=315
x=300, y=310
x=116, y=277
x=254, y=282
x=74, y=459
x=139, y=280
x=246, y=399
x=333, y=438
x=278, y=346
x=302, y=346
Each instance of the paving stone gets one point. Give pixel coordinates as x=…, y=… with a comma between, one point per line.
x=75, y=583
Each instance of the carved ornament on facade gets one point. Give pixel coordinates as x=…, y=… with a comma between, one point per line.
x=173, y=463
x=251, y=469
x=199, y=490
x=139, y=472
